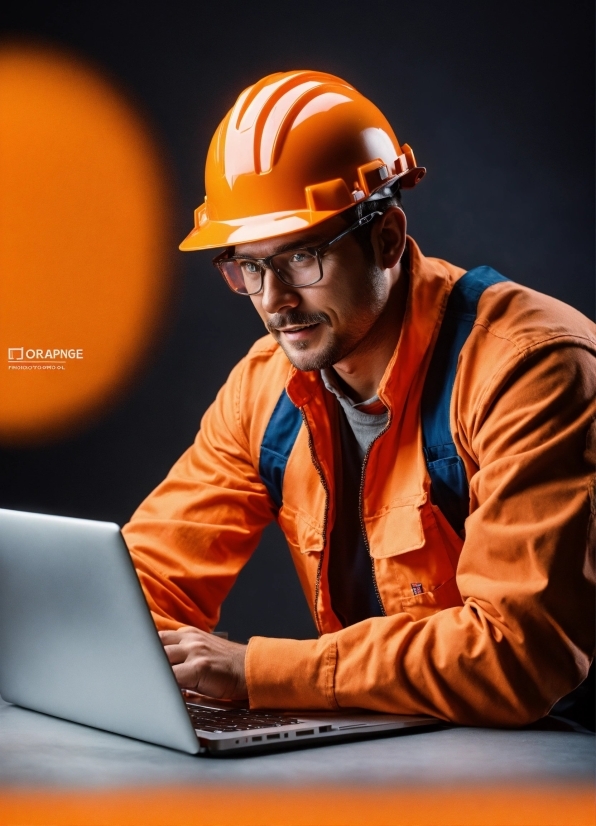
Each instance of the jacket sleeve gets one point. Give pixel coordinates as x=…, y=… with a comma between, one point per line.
x=190, y=538
x=524, y=636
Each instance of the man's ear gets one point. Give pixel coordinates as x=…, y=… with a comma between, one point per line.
x=390, y=237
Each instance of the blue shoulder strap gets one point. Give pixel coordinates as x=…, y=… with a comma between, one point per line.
x=277, y=444
x=446, y=469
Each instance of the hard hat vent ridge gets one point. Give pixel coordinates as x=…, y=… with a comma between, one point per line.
x=275, y=121
x=265, y=113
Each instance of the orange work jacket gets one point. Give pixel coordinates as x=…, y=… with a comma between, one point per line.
x=500, y=625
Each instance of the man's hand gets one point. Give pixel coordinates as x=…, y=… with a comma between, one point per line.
x=206, y=664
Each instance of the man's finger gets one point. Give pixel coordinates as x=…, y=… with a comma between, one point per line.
x=173, y=636
x=169, y=637
x=187, y=675
x=176, y=653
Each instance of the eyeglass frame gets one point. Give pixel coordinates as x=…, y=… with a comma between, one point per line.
x=265, y=263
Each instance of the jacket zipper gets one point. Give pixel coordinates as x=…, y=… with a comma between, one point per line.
x=315, y=462
x=361, y=515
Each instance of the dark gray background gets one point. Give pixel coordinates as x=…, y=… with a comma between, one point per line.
x=495, y=99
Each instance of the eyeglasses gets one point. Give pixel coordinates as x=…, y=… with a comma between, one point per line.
x=300, y=267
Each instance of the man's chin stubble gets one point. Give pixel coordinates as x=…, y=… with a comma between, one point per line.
x=314, y=361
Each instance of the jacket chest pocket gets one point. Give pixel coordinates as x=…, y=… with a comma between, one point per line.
x=413, y=567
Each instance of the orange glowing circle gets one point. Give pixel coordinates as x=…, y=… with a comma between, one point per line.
x=83, y=239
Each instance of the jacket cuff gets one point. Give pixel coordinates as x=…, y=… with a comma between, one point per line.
x=291, y=674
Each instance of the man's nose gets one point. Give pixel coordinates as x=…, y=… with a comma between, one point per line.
x=276, y=295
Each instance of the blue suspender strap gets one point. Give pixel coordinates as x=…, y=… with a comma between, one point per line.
x=446, y=469
x=277, y=444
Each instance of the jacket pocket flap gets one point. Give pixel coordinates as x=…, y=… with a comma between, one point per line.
x=396, y=531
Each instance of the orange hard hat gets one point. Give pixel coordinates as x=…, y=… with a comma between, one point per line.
x=296, y=148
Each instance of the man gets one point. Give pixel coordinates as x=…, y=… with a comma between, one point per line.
x=424, y=438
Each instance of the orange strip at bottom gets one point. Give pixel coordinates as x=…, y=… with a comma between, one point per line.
x=419, y=806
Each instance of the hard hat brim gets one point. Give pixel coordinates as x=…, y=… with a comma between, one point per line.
x=213, y=234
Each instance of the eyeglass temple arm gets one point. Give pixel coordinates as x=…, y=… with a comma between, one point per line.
x=361, y=222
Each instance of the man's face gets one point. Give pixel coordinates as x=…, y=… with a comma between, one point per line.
x=320, y=325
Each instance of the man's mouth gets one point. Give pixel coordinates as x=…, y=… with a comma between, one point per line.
x=298, y=332
x=292, y=323
x=297, y=327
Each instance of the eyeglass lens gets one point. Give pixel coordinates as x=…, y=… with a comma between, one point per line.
x=298, y=268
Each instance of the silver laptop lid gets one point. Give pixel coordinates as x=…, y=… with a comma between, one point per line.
x=76, y=638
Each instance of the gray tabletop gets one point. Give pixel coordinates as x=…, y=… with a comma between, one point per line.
x=41, y=751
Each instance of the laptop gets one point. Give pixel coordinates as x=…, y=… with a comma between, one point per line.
x=77, y=641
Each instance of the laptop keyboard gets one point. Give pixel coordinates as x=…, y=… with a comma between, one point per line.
x=237, y=719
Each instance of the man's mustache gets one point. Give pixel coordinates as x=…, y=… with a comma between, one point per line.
x=296, y=319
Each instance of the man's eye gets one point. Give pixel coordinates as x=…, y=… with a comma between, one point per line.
x=249, y=267
x=299, y=257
